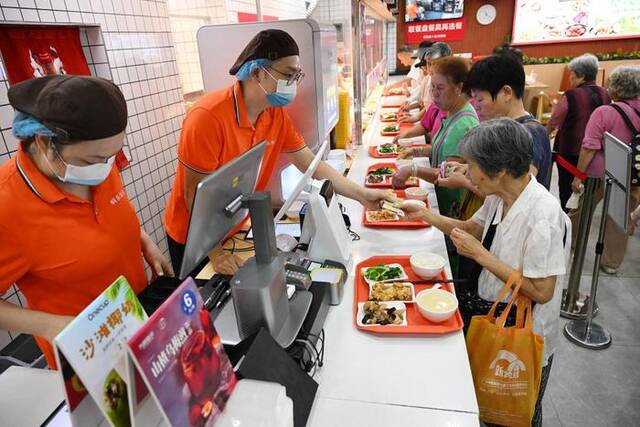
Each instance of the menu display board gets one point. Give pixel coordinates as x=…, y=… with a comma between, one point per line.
x=556, y=21
x=428, y=10
x=179, y=356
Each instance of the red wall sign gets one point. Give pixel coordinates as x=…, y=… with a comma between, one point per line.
x=439, y=31
x=252, y=17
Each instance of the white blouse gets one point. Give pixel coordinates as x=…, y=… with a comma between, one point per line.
x=534, y=238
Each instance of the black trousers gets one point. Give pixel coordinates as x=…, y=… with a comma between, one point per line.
x=565, y=178
x=176, y=252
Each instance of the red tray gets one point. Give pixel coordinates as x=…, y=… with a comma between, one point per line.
x=394, y=224
x=373, y=152
x=416, y=324
x=387, y=182
x=390, y=133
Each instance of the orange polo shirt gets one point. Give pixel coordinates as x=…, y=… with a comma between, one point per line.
x=215, y=131
x=60, y=250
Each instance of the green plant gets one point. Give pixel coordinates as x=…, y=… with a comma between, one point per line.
x=611, y=56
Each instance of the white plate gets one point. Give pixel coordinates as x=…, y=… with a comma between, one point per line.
x=389, y=304
x=413, y=291
x=402, y=277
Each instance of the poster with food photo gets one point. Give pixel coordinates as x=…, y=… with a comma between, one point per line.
x=93, y=347
x=181, y=359
x=554, y=21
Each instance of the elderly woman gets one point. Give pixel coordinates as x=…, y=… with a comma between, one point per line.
x=447, y=81
x=421, y=98
x=572, y=113
x=622, y=120
x=520, y=227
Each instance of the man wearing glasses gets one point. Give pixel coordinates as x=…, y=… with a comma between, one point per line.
x=226, y=123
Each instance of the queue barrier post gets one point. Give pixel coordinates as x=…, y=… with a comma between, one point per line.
x=584, y=332
x=575, y=304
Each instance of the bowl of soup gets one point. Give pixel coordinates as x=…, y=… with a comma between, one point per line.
x=427, y=265
x=436, y=305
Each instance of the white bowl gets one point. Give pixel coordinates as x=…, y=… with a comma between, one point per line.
x=416, y=193
x=427, y=264
x=436, y=305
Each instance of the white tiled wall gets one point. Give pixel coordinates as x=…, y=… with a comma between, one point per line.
x=135, y=48
x=390, y=46
x=186, y=16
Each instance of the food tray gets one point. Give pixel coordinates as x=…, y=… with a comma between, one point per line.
x=387, y=180
x=373, y=152
x=395, y=224
x=416, y=324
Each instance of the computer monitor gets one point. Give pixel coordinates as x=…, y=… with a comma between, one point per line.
x=304, y=181
x=217, y=206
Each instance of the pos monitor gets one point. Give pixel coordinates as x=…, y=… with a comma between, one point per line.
x=217, y=206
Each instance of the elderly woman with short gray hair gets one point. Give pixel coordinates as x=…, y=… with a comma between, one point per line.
x=622, y=120
x=572, y=113
x=520, y=227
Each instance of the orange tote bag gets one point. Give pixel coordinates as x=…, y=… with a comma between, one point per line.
x=506, y=362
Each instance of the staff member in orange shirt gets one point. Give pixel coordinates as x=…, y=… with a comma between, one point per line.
x=226, y=123
x=67, y=227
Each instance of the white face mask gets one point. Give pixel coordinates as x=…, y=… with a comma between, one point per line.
x=89, y=175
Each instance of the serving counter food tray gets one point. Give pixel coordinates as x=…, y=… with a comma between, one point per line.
x=386, y=181
x=394, y=224
x=373, y=152
x=416, y=324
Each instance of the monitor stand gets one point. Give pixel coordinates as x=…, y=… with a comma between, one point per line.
x=259, y=289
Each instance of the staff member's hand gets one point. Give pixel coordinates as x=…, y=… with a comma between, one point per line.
x=227, y=263
x=160, y=264
x=406, y=153
x=466, y=244
x=55, y=325
x=372, y=198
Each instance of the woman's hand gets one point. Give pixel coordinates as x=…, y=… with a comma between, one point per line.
x=400, y=177
x=406, y=153
x=227, y=263
x=372, y=198
x=456, y=167
x=466, y=244
x=55, y=325
x=159, y=263
x=454, y=180
x=405, y=106
x=576, y=186
x=416, y=213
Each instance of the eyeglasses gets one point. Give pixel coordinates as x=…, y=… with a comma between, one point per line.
x=296, y=78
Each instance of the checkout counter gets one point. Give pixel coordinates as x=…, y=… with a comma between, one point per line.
x=366, y=379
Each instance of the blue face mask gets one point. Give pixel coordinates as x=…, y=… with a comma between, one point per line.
x=284, y=93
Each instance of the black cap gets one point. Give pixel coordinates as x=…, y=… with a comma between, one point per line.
x=76, y=108
x=269, y=44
